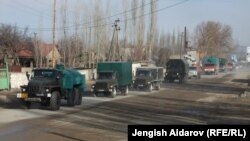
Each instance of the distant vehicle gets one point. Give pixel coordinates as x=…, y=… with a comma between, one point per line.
x=230, y=66
x=148, y=78
x=49, y=86
x=176, y=69
x=194, y=72
x=211, y=65
x=113, y=77
x=223, y=65
x=248, y=54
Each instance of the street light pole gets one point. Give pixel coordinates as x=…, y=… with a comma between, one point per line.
x=54, y=26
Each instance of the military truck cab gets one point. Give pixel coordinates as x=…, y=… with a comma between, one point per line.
x=49, y=86
x=106, y=83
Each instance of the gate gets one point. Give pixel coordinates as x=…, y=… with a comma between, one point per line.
x=4, y=78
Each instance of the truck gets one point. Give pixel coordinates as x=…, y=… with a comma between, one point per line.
x=176, y=69
x=211, y=65
x=48, y=86
x=113, y=77
x=223, y=65
x=148, y=78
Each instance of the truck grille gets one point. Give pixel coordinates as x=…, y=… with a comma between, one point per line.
x=101, y=85
x=140, y=81
x=33, y=89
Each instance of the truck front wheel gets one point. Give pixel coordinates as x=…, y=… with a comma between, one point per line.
x=55, y=101
x=71, y=98
x=78, y=96
x=150, y=87
x=125, y=90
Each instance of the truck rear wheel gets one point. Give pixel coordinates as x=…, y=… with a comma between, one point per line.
x=71, y=98
x=78, y=96
x=55, y=101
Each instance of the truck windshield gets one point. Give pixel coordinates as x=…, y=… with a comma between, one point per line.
x=43, y=74
x=142, y=73
x=106, y=75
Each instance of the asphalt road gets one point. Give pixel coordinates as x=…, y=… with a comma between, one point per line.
x=210, y=100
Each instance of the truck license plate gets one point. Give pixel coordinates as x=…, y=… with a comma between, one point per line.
x=22, y=95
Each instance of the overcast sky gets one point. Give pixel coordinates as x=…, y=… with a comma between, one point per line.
x=235, y=13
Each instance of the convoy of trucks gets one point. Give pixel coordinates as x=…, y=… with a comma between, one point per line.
x=49, y=86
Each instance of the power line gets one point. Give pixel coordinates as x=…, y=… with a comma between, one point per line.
x=27, y=9
x=109, y=24
x=87, y=23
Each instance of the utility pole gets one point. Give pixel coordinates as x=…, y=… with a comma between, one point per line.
x=36, y=49
x=185, y=39
x=114, y=52
x=54, y=26
x=181, y=45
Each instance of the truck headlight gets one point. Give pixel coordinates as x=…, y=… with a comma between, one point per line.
x=93, y=86
x=148, y=82
x=111, y=86
x=23, y=90
x=47, y=90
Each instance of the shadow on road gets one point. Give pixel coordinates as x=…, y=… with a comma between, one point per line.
x=209, y=87
x=242, y=81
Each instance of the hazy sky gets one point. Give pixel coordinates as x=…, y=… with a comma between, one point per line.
x=236, y=13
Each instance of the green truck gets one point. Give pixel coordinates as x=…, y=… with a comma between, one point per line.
x=211, y=65
x=49, y=86
x=113, y=77
x=148, y=78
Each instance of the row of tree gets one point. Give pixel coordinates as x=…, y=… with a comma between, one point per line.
x=89, y=31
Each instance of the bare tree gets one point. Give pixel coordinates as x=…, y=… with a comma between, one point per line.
x=140, y=32
x=152, y=27
x=214, y=39
x=12, y=40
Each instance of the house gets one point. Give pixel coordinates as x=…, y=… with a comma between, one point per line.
x=47, y=54
x=26, y=57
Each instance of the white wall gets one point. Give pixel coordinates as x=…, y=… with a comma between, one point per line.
x=88, y=74
x=17, y=79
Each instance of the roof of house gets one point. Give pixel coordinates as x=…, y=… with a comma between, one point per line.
x=46, y=49
x=25, y=52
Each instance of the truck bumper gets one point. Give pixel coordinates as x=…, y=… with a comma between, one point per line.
x=101, y=90
x=36, y=98
x=142, y=86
